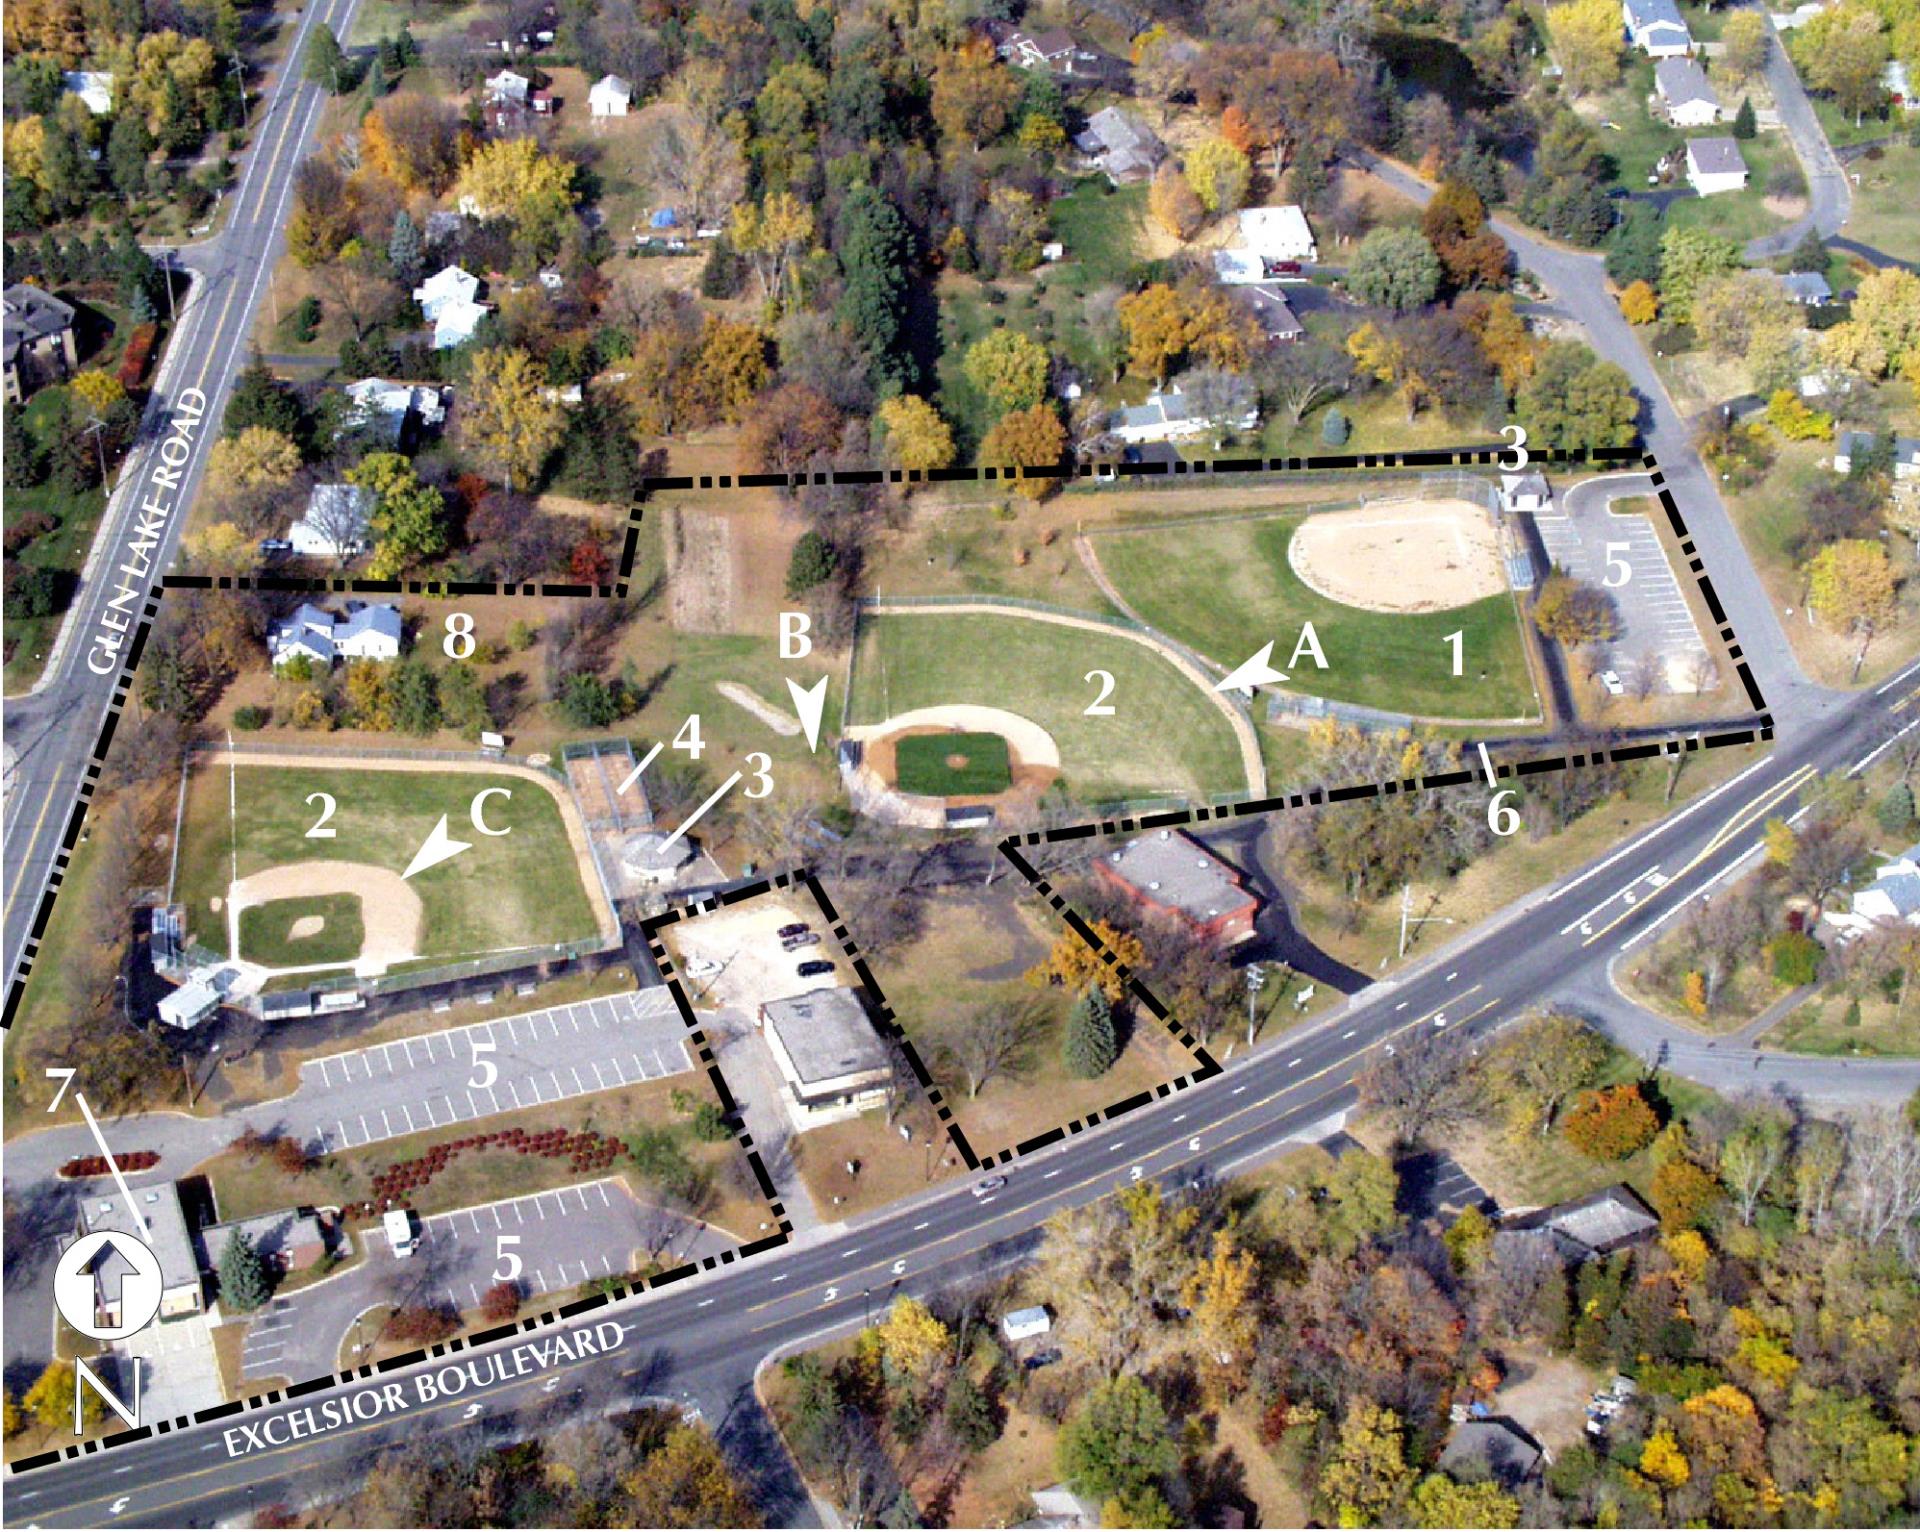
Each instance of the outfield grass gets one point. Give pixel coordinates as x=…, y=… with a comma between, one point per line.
x=516, y=890
x=1165, y=737
x=265, y=931
x=952, y=765
x=1225, y=588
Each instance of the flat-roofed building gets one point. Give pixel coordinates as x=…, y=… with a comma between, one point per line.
x=165, y=1234
x=831, y=1060
x=1175, y=876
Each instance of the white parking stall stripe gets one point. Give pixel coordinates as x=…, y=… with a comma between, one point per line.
x=474, y=1216
x=606, y=1266
x=427, y=1107
x=601, y=1187
x=599, y=1074
x=579, y=1085
x=573, y=1015
x=325, y=1079
x=493, y=1101
x=386, y=1122
x=496, y=1216
x=518, y=1216
x=539, y=1209
x=386, y=1055
x=639, y=1068
x=619, y=1073
x=539, y=1281
x=409, y=1111
x=473, y=1109
x=341, y=1129
x=534, y=1086
x=475, y=1291
x=554, y=1075
x=513, y=1093
x=583, y=1197
x=515, y=1036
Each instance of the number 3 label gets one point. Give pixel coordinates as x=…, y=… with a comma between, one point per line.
x=1519, y=435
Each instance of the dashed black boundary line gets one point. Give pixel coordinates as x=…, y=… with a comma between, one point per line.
x=1761, y=731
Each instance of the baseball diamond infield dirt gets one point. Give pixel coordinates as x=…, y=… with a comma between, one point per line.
x=390, y=911
x=1401, y=556
x=1031, y=753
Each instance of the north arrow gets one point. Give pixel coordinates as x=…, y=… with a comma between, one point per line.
x=809, y=702
x=437, y=848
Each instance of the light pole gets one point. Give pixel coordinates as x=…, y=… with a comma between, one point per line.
x=166, y=266
x=1256, y=981
x=95, y=428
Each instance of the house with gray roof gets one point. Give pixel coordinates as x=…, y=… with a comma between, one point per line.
x=1493, y=1448
x=38, y=331
x=1656, y=28
x=1121, y=145
x=162, y=1227
x=1808, y=288
x=290, y=1239
x=1715, y=165
x=1851, y=446
x=368, y=631
x=1594, y=1225
x=1174, y=876
x=1167, y=416
x=1685, y=93
x=831, y=1059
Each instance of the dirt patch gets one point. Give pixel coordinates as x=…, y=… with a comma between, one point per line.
x=394, y=916
x=1400, y=556
x=776, y=719
x=1548, y=1395
x=306, y=925
x=699, y=550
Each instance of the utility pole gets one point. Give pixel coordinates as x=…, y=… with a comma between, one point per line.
x=96, y=428
x=1256, y=981
x=166, y=266
x=1408, y=918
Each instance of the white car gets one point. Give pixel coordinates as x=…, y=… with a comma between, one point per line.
x=1614, y=685
x=398, y=1223
x=989, y=1186
x=702, y=968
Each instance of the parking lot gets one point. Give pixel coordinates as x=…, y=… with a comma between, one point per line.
x=743, y=946
x=1586, y=539
x=417, y=1083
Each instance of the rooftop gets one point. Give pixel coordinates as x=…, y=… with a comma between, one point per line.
x=827, y=1034
x=1646, y=13
x=1715, y=156
x=276, y=1233
x=31, y=314
x=1599, y=1223
x=1177, y=871
x=165, y=1233
x=1491, y=1449
x=1680, y=80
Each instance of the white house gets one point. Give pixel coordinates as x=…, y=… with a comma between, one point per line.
x=336, y=523
x=1715, y=165
x=1893, y=898
x=1025, y=1324
x=1277, y=234
x=383, y=408
x=1166, y=417
x=1266, y=303
x=508, y=86
x=1808, y=288
x=1847, y=446
x=369, y=631
x=1525, y=492
x=1686, y=95
x=92, y=87
x=1656, y=28
x=609, y=96
x=447, y=299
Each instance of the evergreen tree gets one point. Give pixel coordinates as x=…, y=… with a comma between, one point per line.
x=388, y=56
x=812, y=561
x=970, y=1414
x=405, y=48
x=327, y=66
x=1633, y=252
x=406, y=249
x=376, y=80
x=20, y=456
x=65, y=170
x=1744, y=125
x=1810, y=254
x=243, y=1275
x=259, y=400
x=136, y=278
x=875, y=251
x=76, y=261
x=414, y=695
x=1090, y=1047
x=53, y=261
x=1335, y=428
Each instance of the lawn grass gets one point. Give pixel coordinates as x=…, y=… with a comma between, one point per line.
x=1099, y=224
x=1742, y=215
x=1226, y=587
x=516, y=890
x=1166, y=738
x=1821, y=1026
x=952, y=765
x=75, y=516
x=265, y=931
x=1886, y=214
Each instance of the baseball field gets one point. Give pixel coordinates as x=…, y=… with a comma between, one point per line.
x=1166, y=736
x=1227, y=587
x=306, y=901
x=952, y=765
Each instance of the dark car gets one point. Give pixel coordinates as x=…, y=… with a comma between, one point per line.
x=804, y=939
x=796, y=929
x=813, y=969
x=1040, y=1359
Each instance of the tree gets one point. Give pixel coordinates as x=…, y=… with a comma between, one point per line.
x=1548, y=1057
x=1745, y=123
x=1367, y=1468
x=515, y=178
x=914, y=1343
x=1430, y=1081
x=500, y=1303
x=1158, y=327
x=1299, y=377
x=990, y=1040
x=771, y=234
x=973, y=93
x=695, y=161
x=129, y=146
x=1394, y=268
x=326, y=65
x=1071, y=963
x=1688, y=258
x=407, y=516
x=1728, y=309
x=970, y=1414
x=1221, y=1295
x=257, y=458
x=792, y=426
x=1010, y=368
x=1089, y=1046
x=1586, y=41
x=1795, y=419
x=1335, y=428
x=50, y=1400
x=1633, y=249
x=1841, y=53
x=1663, y=1461
x=1850, y=585
x=1440, y=1501
x=876, y=251
x=506, y=417
x=1031, y=438
x=1640, y=304
x=1218, y=174
x=1795, y=957
x=1883, y=334
x=244, y=1285
x=413, y=696
x=1753, y=1156
x=811, y=563
x=1743, y=44
x=1175, y=206
x=259, y=400
x=916, y=437
x=406, y=249
x=1116, y=1442
x=1469, y=1239
x=1572, y=613
x=414, y=140
x=1574, y=400
x=684, y=1482
x=1611, y=1123
x=587, y=701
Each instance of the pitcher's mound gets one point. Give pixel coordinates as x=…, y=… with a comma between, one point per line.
x=307, y=925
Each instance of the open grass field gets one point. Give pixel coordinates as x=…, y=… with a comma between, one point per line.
x=1225, y=588
x=522, y=889
x=267, y=931
x=1165, y=737
x=952, y=765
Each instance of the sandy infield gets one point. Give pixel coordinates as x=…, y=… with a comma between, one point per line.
x=390, y=911
x=1400, y=556
x=1027, y=742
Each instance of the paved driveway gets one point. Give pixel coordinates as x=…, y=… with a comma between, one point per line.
x=179, y=1372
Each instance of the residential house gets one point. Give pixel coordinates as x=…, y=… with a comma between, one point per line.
x=609, y=96
x=447, y=298
x=92, y=87
x=1807, y=288
x=1849, y=445
x=38, y=331
x=1893, y=898
x=1174, y=876
x=1493, y=1449
x=1656, y=28
x=1166, y=417
x=387, y=410
x=368, y=631
x=1685, y=93
x=1267, y=304
x=1715, y=165
x=1026, y=1324
x=1897, y=82
x=509, y=86
x=1906, y=458
x=832, y=1061
x=1594, y=1225
x=1278, y=234
x=336, y=522
x=1121, y=145
x=505, y=118
x=162, y=1228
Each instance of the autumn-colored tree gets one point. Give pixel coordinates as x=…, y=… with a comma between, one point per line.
x=1586, y=42
x=1073, y=965
x=1611, y=1123
x=1367, y=1470
x=1795, y=419
x=220, y=547
x=12, y=1417
x=506, y=418
x=1441, y=1501
x=1743, y=45
x=973, y=93
x=1174, y=204
x=500, y=1302
x=421, y=1324
x=1469, y=1239
x=1682, y=1193
x=1573, y=613
x=1010, y=368
x=515, y=178
x=787, y=429
x=914, y=1343
x=1031, y=438
x=1662, y=1461
x=50, y=1400
x=1694, y=993
x=1850, y=585
x=684, y=1482
x=99, y=391
x=916, y=437
x=1218, y=173
x=407, y=515
x=1221, y=1296
x=773, y=234
x=369, y=695
x=1640, y=304
x=1504, y=339
x=258, y=458
x=413, y=139
x=1155, y=324
x=730, y=368
x=1237, y=130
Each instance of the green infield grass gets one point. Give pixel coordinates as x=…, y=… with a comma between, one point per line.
x=1225, y=588
x=1165, y=737
x=266, y=931
x=521, y=889
x=952, y=765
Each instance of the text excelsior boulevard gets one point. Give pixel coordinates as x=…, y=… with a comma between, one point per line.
x=469, y=1376
x=117, y=616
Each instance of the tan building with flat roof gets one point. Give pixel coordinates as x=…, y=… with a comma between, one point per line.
x=831, y=1059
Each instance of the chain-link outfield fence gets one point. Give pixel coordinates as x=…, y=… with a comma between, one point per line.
x=339, y=757
x=1476, y=489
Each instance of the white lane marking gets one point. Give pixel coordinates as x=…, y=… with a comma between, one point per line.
x=1348, y=1033
x=919, y=1226
x=1660, y=829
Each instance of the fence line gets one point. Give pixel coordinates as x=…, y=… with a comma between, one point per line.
x=379, y=752
x=469, y=968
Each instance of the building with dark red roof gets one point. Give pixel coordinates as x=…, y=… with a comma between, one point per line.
x=1176, y=877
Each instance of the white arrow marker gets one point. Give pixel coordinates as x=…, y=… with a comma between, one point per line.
x=1257, y=671
x=809, y=702
x=437, y=848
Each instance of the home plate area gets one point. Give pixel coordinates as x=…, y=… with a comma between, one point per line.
x=417, y=1083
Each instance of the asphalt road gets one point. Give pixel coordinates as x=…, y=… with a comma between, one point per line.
x=1829, y=198
x=52, y=731
x=704, y=1338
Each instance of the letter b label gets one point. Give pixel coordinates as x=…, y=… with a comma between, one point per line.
x=794, y=641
